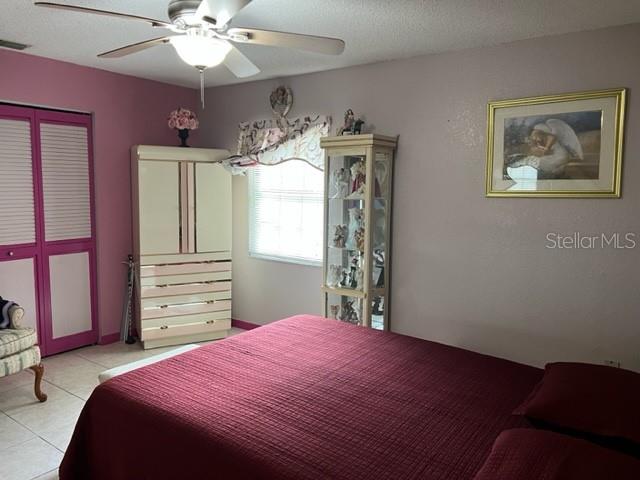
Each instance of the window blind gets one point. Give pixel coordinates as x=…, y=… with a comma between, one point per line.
x=65, y=180
x=17, y=215
x=285, y=212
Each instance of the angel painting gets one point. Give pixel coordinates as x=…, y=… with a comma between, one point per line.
x=562, y=146
x=565, y=145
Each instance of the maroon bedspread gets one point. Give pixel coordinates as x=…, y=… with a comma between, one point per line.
x=302, y=398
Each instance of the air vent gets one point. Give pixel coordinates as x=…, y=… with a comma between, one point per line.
x=13, y=45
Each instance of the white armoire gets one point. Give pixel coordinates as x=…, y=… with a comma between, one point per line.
x=182, y=244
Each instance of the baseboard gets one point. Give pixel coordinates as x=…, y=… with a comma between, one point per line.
x=110, y=338
x=244, y=325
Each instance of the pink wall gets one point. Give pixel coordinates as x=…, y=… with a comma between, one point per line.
x=126, y=111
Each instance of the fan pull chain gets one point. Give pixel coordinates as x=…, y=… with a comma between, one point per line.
x=202, y=86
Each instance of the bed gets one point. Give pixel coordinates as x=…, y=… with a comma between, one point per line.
x=301, y=398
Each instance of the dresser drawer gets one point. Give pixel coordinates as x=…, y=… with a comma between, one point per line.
x=186, y=309
x=167, y=331
x=183, y=299
x=185, y=319
x=184, y=279
x=184, y=268
x=184, y=258
x=188, y=289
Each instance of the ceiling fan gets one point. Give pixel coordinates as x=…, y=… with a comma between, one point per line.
x=202, y=37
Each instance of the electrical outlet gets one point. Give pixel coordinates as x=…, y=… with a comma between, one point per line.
x=612, y=363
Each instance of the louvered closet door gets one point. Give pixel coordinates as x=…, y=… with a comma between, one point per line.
x=69, y=246
x=19, y=254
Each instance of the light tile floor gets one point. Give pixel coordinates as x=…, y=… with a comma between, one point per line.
x=34, y=435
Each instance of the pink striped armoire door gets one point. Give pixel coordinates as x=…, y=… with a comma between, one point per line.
x=48, y=263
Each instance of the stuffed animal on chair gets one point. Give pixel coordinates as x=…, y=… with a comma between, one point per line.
x=10, y=314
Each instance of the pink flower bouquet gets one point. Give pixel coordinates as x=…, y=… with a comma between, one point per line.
x=183, y=119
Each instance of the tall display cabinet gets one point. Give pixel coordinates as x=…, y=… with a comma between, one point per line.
x=182, y=244
x=357, y=228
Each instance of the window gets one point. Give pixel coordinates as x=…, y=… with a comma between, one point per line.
x=285, y=212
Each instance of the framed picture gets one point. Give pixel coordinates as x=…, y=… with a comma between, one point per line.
x=556, y=146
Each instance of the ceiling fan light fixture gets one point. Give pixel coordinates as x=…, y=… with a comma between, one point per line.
x=200, y=51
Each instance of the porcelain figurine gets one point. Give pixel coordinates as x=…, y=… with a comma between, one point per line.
x=339, y=236
x=341, y=179
x=349, y=120
x=334, y=275
x=349, y=313
x=356, y=223
x=358, y=178
x=352, y=126
x=359, y=239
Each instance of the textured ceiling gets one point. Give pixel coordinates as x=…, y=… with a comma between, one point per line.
x=374, y=30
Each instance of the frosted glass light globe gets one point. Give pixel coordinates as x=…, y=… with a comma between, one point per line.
x=200, y=51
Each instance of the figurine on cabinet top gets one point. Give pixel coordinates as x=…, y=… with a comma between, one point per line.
x=352, y=126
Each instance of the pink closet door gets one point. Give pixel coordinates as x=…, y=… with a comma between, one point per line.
x=47, y=232
x=20, y=273
x=67, y=230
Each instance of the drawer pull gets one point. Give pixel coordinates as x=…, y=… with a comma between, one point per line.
x=10, y=253
x=210, y=322
x=164, y=327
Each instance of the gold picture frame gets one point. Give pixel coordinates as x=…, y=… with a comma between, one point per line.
x=557, y=146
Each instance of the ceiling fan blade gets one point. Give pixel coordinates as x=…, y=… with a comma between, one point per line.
x=95, y=11
x=219, y=12
x=239, y=64
x=310, y=43
x=133, y=48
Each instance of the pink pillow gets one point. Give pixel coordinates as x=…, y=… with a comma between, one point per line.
x=528, y=454
x=593, y=399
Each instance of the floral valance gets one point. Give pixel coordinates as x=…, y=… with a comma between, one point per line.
x=270, y=142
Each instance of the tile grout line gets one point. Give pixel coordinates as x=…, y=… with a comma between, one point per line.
x=36, y=434
x=91, y=361
x=78, y=355
x=45, y=473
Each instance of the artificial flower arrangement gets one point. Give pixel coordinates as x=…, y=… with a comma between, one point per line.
x=183, y=120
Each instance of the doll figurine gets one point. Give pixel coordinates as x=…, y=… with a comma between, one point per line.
x=352, y=125
x=357, y=179
x=349, y=120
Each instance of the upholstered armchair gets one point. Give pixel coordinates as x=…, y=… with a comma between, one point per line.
x=18, y=350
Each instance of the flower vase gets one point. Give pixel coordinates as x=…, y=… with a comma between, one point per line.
x=183, y=135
